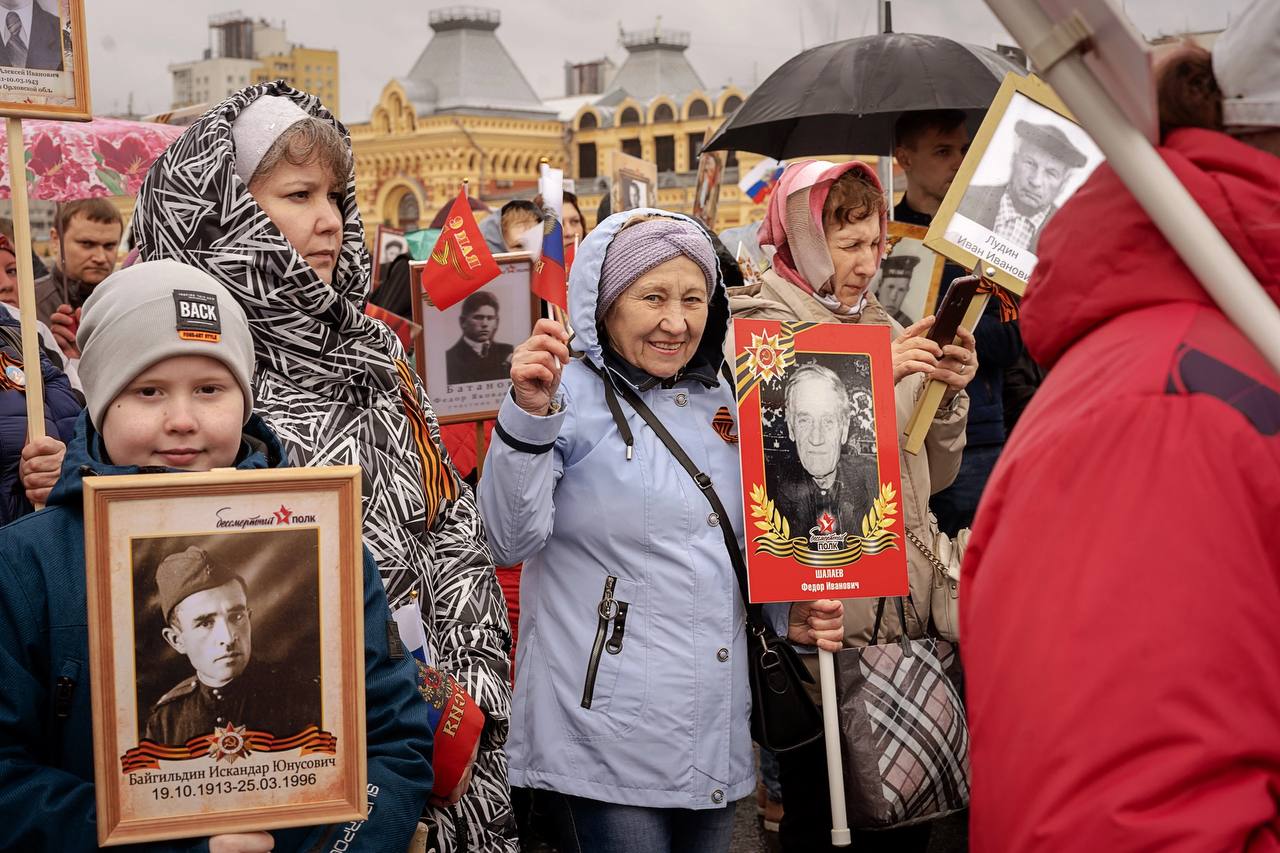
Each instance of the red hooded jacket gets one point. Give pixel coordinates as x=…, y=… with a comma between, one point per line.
x=1121, y=592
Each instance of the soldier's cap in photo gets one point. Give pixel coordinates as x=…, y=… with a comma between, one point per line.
x=1052, y=141
x=899, y=266
x=188, y=572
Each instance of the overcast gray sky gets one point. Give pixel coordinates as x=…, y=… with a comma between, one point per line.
x=132, y=42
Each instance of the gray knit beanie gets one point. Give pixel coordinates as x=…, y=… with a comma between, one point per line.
x=153, y=311
x=638, y=248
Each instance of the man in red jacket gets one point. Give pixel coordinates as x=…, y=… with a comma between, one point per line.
x=1122, y=585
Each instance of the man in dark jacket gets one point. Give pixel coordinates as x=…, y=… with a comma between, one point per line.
x=85, y=239
x=930, y=147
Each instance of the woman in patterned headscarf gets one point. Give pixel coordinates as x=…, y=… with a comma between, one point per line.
x=258, y=194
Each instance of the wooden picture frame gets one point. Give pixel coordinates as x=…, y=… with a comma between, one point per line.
x=913, y=273
x=288, y=618
x=825, y=522
x=439, y=351
x=53, y=81
x=964, y=229
x=706, y=188
x=385, y=240
x=634, y=184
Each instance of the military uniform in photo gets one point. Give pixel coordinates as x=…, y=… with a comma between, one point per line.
x=265, y=697
x=895, y=283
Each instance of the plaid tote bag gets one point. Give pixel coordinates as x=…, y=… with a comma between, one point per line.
x=904, y=738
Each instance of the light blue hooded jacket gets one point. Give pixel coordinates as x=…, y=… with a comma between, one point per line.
x=666, y=682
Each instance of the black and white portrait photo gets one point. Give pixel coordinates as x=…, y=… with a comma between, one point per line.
x=1035, y=159
x=468, y=346
x=634, y=192
x=819, y=444
x=478, y=355
x=906, y=285
x=635, y=182
x=227, y=633
x=30, y=35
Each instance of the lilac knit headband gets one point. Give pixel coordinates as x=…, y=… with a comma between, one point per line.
x=637, y=249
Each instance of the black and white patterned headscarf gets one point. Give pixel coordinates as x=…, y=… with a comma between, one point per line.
x=336, y=387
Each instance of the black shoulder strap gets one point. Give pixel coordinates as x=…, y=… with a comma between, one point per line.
x=701, y=478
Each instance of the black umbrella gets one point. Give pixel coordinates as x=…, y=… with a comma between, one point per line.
x=844, y=97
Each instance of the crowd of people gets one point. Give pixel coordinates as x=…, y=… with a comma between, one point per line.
x=1137, y=487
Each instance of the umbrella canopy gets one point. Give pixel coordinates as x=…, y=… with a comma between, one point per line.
x=844, y=97
x=70, y=160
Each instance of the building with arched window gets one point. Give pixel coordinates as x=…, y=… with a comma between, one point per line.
x=464, y=111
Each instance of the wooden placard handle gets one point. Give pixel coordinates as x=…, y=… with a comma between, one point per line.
x=26, y=281
x=929, y=402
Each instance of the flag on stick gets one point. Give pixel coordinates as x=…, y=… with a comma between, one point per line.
x=549, y=276
x=758, y=182
x=460, y=263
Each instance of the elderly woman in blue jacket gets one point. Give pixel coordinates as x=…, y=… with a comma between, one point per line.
x=632, y=703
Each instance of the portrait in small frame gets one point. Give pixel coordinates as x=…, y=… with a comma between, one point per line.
x=910, y=274
x=1026, y=160
x=464, y=353
x=388, y=244
x=821, y=482
x=227, y=651
x=44, y=68
x=635, y=182
x=706, y=189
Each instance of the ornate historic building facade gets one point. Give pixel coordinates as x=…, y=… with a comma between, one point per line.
x=464, y=111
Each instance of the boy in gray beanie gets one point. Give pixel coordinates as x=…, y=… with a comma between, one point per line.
x=167, y=362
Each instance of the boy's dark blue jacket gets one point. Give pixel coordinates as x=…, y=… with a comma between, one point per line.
x=46, y=742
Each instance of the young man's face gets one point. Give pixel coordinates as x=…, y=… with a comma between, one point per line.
x=514, y=229
x=932, y=161
x=185, y=413
x=481, y=324
x=88, y=249
x=893, y=289
x=211, y=627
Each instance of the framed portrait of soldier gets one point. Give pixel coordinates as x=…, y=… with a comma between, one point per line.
x=820, y=474
x=635, y=182
x=1026, y=160
x=226, y=650
x=464, y=354
x=44, y=68
x=910, y=274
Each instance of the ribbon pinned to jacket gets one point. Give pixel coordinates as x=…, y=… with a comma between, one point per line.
x=1008, y=305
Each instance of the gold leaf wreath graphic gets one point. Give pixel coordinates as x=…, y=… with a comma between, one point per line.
x=775, y=537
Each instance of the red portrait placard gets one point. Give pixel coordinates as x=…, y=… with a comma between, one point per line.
x=821, y=482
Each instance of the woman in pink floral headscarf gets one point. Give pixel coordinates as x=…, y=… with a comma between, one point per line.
x=827, y=224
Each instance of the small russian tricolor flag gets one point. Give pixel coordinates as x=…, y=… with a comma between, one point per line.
x=758, y=183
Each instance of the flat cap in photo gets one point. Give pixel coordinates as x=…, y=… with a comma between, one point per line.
x=1052, y=141
x=186, y=573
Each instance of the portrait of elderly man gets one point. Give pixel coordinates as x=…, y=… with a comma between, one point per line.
x=833, y=486
x=1043, y=160
x=895, y=283
x=208, y=620
x=477, y=357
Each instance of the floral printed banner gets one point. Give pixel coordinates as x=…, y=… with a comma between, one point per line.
x=103, y=157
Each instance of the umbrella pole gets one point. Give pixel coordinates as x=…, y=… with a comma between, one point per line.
x=26, y=281
x=840, y=836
